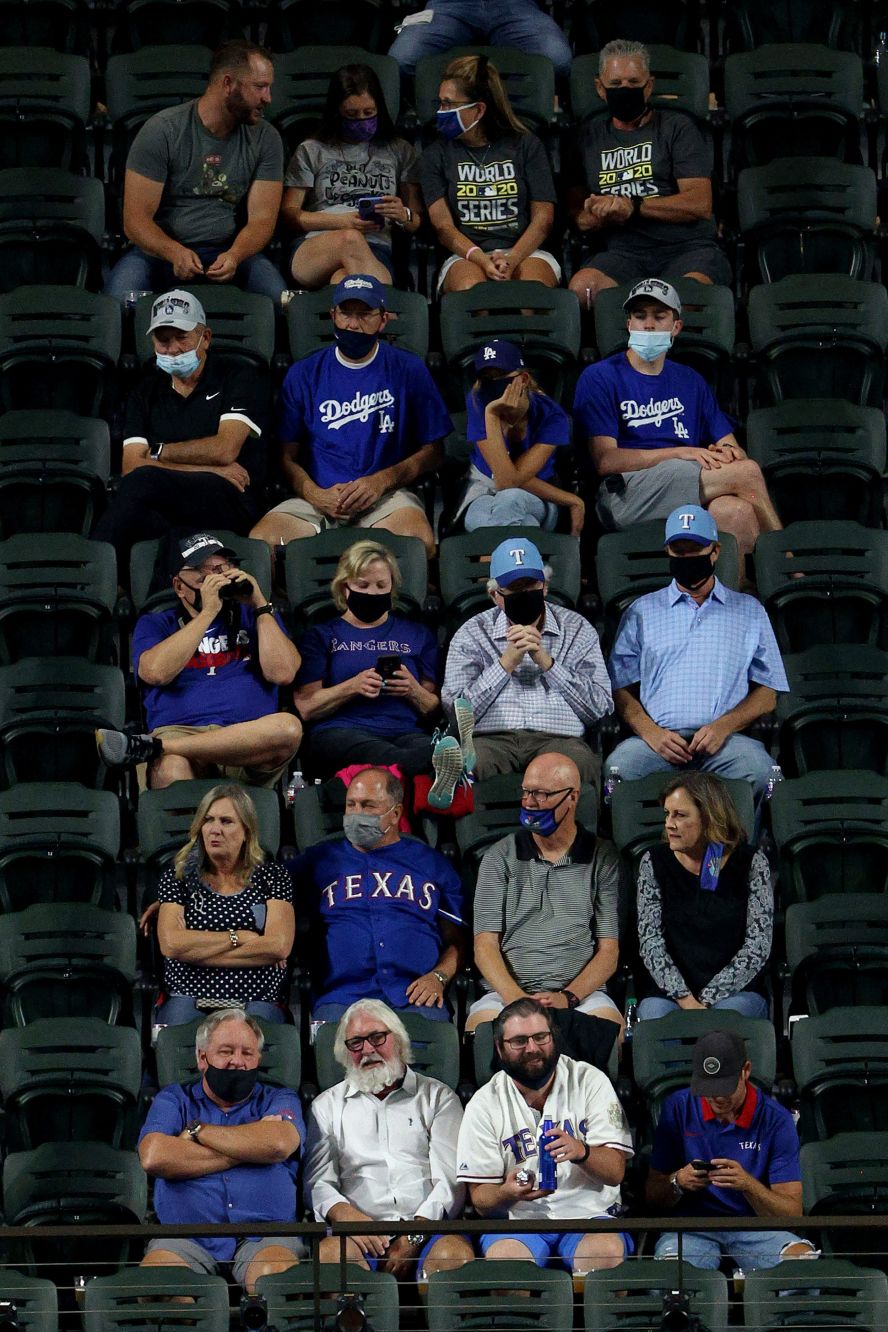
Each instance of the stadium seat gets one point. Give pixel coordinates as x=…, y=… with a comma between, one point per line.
x=315, y=818
x=36, y=1300
x=435, y=1050
x=44, y=107
x=151, y=588
x=59, y=842
x=497, y=803
x=824, y=583
x=529, y=81
x=753, y=23
x=302, y=76
x=280, y=1062
x=831, y=830
x=147, y=1296
x=311, y=563
x=631, y=1297
x=142, y=83
x=50, y=708
x=835, y=715
x=840, y=1065
x=310, y=328
x=536, y=1298
x=67, y=960
x=681, y=83
x=51, y=228
x=242, y=323
x=662, y=24
x=819, y=336
x=150, y=23
x=822, y=459
x=70, y=1080
x=831, y=1293
x=59, y=348
x=483, y=1047
x=637, y=815
x=58, y=593
x=290, y=1296
x=848, y=1176
x=345, y=23
x=793, y=99
x=837, y=952
x=464, y=563
x=54, y=469
x=61, y=25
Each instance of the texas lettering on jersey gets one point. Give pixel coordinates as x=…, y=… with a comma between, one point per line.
x=487, y=194
x=523, y=1144
x=389, y=884
x=627, y=170
x=654, y=412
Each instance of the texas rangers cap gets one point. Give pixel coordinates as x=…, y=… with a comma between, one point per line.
x=360, y=287
x=199, y=547
x=719, y=1057
x=655, y=289
x=499, y=355
x=691, y=523
x=177, y=309
x=516, y=558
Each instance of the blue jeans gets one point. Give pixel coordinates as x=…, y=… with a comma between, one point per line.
x=511, y=508
x=748, y=1003
x=739, y=756
x=750, y=1249
x=137, y=271
x=488, y=22
x=181, y=1008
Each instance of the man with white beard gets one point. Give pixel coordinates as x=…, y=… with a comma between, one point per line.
x=381, y=1146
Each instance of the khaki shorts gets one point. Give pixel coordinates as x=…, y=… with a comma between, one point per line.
x=228, y=772
x=389, y=504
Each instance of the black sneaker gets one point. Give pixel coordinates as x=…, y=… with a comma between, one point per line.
x=119, y=750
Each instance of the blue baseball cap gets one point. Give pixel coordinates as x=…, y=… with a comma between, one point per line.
x=516, y=558
x=360, y=287
x=499, y=355
x=691, y=523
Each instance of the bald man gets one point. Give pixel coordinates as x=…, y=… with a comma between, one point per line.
x=546, y=904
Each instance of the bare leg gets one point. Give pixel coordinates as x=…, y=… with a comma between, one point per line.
x=410, y=522
x=587, y=283
x=164, y=1258
x=535, y=270
x=475, y=1019
x=448, y=1252
x=738, y=499
x=262, y=743
x=700, y=277
x=595, y=1253
x=509, y=1249
x=329, y=1252
x=333, y=256
x=276, y=529
x=463, y=275
x=273, y=1258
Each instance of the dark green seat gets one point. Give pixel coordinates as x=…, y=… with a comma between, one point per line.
x=637, y=816
x=49, y=710
x=59, y=842
x=315, y=818
x=819, y=336
x=464, y=564
x=848, y=1176
x=435, y=1050
x=151, y=588
x=36, y=1300
x=290, y=1296
x=62, y=25
x=54, y=469
x=310, y=328
x=44, y=107
x=681, y=83
x=840, y=1065
x=302, y=76
x=67, y=960
x=152, y=23
x=837, y=951
x=843, y=595
x=165, y=817
x=831, y=829
x=529, y=81
x=141, y=83
x=59, y=348
x=751, y=23
x=835, y=715
x=822, y=459
x=58, y=593
x=280, y=1062
x=830, y=1293
x=522, y=1296
x=141, y=1297
x=497, y=805
x=706, y=341
x=242, y=323
x=51, y=227
x=350, y=23
x=634, y=1298
x=310, y=564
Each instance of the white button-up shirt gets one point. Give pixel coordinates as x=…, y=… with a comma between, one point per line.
x=392, y=1158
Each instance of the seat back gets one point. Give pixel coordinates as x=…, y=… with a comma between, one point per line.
x=833, y=1293
x=637, y=815
x=483, y=1051
x=663, y=1050
x=54, y=467
x=529, y=81
x=464, y=564
x=310, y=565
x=59, y=348
x=840, y=1064
x=707, y=336
x=36, y=1301
x=291, y=1302
x=835, y=715
x=143, y=82
x=610, y=1305
x=435, y=1050
x=57, y=596
x=310, y=328
x=44, y=105
x=497, y=804
x=280, y=1063
x=525, y=1296
x=837, y=950
x=151, y=588
x=51, y=226
x=831, y=829
x=681, y=83
x=167, y=22
x=242, y=324
x=846, y=1175
x=143, y=1295
x=165, y=817
x=61, y=25
x=301, y=79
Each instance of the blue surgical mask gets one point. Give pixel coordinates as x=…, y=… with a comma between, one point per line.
x=449, y=122
x=180, y=366
x=542, y=821
x=353, y=343
x=649, y=345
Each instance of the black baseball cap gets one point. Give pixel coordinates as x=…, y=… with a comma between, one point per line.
x=719, y=1057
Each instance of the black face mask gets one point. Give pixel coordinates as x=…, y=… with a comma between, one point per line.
x=490, y=390
x=368, y=607
x=231, y=1084
x=690, y=571
x=626, y=104
x=524, y=607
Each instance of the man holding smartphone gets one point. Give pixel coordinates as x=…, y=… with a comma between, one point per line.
x=724, y=1148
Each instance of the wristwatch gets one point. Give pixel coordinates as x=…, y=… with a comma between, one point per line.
x=154, y=452
x=417, y=1240
x=439, y=975
x=235, y=941
x=677, y=1190
x=571, y=998
x=193, y=1129
x=267, y=609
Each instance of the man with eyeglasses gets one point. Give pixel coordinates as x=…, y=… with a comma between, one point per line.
x=382, y=1146
x=211, y=668
x=499, y=1144
x=360, y=422
x=546, y=904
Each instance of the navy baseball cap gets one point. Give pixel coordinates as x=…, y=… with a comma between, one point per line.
x=719, y=1057
x=499, y=355
x=691, y=523
x=360, y=287
x=516, y=558
x=193, y=550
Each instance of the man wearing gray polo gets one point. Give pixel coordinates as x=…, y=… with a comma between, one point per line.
x=546, y=904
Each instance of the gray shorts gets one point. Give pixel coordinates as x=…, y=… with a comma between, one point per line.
x=196, y=1257
x=665, y=261
x=628, y=498
x=389, y=504
x=491, y=1002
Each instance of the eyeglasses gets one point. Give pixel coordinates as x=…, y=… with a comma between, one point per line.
x=374, y=1038
x=227, y=567
x=522, y=1042
x=540, y=797
x=367, y=320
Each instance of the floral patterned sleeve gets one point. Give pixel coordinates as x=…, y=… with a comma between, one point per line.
x=651, y=942
x=756, y=950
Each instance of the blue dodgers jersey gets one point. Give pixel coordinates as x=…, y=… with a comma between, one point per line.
x=547, y=423
x=351, y=421
x=378, y=915
x=763, y=1139
x=675, y=408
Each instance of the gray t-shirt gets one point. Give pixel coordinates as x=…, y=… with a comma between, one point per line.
x=336, y=175
x=204, y=177
x=488, y=190
x=644, y=163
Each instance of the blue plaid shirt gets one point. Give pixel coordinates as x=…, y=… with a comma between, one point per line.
x=694, y=663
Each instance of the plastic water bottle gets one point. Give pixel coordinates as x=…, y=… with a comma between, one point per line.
x=296, y=783
x=880, y=54
x=774, y=776
x=611, y=782
x=631, y=1016
x=548, y=1174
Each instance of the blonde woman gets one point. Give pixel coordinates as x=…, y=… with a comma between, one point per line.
x=225, y=923
x=487, y=184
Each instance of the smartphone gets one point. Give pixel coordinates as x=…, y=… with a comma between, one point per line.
x=367, y=207
x=702, y=1166
x=388, y=666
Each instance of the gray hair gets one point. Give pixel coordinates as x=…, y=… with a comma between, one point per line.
x=493, y=585
x=621, y=50
x=377, y=1009
x=214, y=1020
